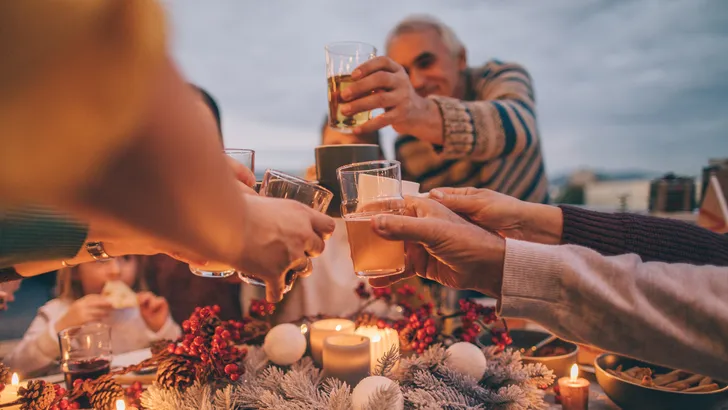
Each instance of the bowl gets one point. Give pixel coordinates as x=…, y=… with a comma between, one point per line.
x=525, y=339
x=630, y=395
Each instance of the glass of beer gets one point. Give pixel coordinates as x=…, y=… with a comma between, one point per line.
x=277, y=184
x=368, y=189
x=341, y=59
x=85, y=353
x=215, y=270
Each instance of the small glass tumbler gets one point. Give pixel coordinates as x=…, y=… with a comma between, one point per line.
x=342, y=58
x=369, y=189
x=277, y=184
x=214, y=270
x=85, y=352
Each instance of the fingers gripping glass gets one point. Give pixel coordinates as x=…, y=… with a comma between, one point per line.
x=341, y=60
x=277, y=184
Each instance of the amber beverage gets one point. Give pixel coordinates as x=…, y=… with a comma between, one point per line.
x=337, y=120
x=373, y=256
x=341, y=59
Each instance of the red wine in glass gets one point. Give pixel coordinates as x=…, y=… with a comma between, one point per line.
x=82, y=370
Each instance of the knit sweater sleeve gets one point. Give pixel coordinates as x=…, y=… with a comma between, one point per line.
x=675, y=315
x=35, y=234
x=653, y=239
x=500, y=124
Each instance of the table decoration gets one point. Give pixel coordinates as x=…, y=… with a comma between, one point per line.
x=324, y=328
x=574, y=391
x=346, y=357
x=381, y=341
x=222, y=365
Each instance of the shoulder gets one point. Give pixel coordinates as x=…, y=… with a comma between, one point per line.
x=493, y=69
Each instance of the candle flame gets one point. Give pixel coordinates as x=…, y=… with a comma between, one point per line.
x=337, y=328
x=376, y=338
x=574, y=372
x=15, y=380
x=120, y=405
x=304, y=329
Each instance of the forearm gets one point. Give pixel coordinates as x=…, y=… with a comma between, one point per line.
x=653, y=239
x=675, y=315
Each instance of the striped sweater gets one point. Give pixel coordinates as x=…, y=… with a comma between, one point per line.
x=490, y=138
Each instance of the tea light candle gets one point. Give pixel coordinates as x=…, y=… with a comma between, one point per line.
x=120, y=405
x=574, y=391
x=10, y=394
x=320, y=330
x=380, y=341
x=347, y=358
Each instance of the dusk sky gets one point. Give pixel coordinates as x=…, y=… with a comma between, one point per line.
x=619, y=84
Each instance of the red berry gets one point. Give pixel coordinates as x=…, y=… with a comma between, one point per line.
x=421, y=334
x=231, y=368
x=234, y=377
x=2, y=386
x=75, y=405
x=428, y=340
x=216, y=308
x=179, y=351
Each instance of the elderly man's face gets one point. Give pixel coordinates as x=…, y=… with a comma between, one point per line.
x=431, y=66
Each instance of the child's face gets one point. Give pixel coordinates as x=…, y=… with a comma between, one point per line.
x=94, y=275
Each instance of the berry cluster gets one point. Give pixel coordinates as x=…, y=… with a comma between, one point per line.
x=419, y=331
x=261, y=308
x=472, y=313
x=61, y=402
x=133, y=394
x=362, y=292
x=211, y=343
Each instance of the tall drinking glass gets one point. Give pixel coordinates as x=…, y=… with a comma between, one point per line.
x=213, y=270
x=85, y=352
x=368, y=189
x=277, y=184
x=341, y=59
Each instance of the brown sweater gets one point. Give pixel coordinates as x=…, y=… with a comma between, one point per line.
x=653, y=239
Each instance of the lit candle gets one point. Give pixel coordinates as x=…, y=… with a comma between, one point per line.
x=381, y=341
x=322, y=329
x=10, y=394
x=347, y=358
x=120, y=405
x=574, y=391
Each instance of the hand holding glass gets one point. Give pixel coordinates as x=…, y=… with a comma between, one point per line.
x=341, y=60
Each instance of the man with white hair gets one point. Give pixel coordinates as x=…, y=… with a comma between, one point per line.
x=457, y=125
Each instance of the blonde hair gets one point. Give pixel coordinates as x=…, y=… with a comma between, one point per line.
x=419, y=22
x=68, y=283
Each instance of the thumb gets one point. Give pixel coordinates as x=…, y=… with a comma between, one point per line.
x=462, y=204
x=406, y=228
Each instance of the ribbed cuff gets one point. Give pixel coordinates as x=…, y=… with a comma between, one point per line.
x=35, y=233
x=457, y=127
x=531, y=279
x=169, y=331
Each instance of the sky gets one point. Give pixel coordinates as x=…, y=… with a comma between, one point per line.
x=619, y=84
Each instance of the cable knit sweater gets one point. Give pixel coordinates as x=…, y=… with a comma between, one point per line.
x=675, y=315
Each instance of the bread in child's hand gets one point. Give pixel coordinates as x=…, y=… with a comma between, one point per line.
x=120, y=295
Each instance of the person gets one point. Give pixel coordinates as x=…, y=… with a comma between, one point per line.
x=7, y=293
x=80, y=302
x=673, y=314
x=457, y=125
x=94, y=112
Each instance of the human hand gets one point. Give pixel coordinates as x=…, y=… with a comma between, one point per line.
x=382, y=83
x=504, y=214
x=279, y=235
x=153, y=309
x=90, y=308
x=7, y=292
x=443, y=247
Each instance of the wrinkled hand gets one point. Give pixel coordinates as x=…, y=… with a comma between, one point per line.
x=90, y=308
x=504, y=214
x=7, y=292
x=243, y=175
x=153, y=309
x=443, y=247
x=280, y=235
x=382, y=83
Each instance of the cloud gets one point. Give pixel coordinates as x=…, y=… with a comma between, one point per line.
x=638, y=84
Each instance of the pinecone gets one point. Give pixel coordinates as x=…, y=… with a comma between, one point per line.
x=5, y=374
x=105, y=394
x=209, y=324
x=39, y=395
x=365, y=319
x=176, y=373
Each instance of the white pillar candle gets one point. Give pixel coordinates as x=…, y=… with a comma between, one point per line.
x=381, y=341
x=10, y=394
x=347, y=358
x=321, y=329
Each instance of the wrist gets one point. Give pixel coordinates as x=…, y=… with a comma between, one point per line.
x=428, y=124
x=544, y=224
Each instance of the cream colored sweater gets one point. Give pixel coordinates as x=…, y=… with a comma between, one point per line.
x=675, y=315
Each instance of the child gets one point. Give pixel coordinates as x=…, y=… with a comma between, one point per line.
x=80, y=302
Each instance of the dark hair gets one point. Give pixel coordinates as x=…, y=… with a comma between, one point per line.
x=212, y=104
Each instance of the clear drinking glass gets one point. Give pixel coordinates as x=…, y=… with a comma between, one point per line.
x=341, y=59
x=368, y=189
x=85, y=352
x=213, y=270
x=277, y=184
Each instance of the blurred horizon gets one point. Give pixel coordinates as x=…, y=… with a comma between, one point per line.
x=631, y=85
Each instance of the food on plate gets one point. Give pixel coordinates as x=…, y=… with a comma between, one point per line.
x=119, y=294
x=676, y=380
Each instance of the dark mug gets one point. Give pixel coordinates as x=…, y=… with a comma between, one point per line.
x=330, y=157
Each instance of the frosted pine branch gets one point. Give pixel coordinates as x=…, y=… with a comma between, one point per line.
x=387, y=363
x=388, y=397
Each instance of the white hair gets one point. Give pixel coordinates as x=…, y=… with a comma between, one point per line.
x=419, y=22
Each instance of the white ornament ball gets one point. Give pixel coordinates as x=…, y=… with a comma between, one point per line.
x=466, y=358
x=368, y=386
x=284, y=344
